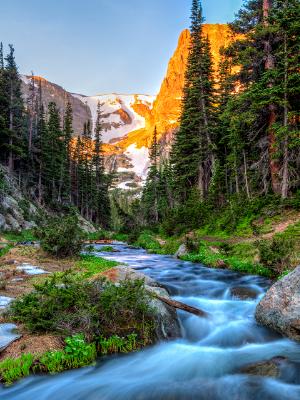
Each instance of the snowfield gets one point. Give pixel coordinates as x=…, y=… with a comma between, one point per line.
x=112, y=105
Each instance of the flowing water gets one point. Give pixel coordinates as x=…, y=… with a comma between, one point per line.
x=205, y=364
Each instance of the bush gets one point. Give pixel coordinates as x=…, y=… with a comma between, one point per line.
x=277, y=252
x=61, y=236
x=68, y=304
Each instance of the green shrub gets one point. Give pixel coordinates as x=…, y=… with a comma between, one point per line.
x=61, y=236
x=67, y=304
x=276, y=253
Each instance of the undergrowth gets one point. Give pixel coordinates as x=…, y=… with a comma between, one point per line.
x=68, y=304
x=77, y=353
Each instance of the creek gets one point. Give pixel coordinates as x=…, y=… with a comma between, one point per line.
x=205, y=364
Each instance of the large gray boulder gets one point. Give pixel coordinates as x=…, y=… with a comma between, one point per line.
x=167, y=326
x=280, y=307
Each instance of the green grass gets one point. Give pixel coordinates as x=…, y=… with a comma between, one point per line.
x=13, y=369
x=5, y=250
x=91, y=265
x=148, y=242
x=106, y=235
x=77, y=353
x=107, y=249
x=239, y=259
x=24, y=236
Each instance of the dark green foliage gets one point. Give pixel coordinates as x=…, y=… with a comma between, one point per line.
x=68, y=305
x=192, y=155
x=36, y=146
x=236, y=152
x=276, y=253
x=61, y=236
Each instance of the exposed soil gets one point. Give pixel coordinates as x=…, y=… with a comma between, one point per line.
x=35, y=344
x=17, y=282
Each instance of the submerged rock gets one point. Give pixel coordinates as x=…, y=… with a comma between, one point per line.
x=243, y=293
x=264, y=368
x=280, y=307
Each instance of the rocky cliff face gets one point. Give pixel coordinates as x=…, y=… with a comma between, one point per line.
x=166, y=109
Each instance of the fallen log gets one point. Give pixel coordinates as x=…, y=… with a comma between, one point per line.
x=182, y=306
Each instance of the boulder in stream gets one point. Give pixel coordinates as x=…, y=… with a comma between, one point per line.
x=280, y=307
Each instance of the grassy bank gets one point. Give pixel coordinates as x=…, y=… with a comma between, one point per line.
x=76, y=353
x=271, y=253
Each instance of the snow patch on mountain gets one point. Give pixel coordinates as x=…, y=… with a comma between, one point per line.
x=118, y=115
x=140, y=159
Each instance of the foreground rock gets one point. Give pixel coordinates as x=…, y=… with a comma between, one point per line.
x=167, y=325
x=280, y=307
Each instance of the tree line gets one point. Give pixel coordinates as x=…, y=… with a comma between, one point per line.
x=38, y=147
x=238, y=138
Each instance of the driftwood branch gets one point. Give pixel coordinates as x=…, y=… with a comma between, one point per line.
x=182, y=306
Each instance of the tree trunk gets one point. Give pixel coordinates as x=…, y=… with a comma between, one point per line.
x=285, y=172
x=182, y=306
x=269, y=65
x=246, y=175
x=10, y=157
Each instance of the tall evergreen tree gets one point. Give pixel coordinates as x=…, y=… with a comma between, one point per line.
x=192, y=153
x=16, y=139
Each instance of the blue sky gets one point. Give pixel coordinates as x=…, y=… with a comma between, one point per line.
x=101, y=46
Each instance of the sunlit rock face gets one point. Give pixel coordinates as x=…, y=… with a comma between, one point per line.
x=166, y=110
x=128, y=120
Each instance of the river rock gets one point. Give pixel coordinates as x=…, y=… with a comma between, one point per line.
x=182, y=251
x=280, y=307
x=243, y=293
x=264, y=368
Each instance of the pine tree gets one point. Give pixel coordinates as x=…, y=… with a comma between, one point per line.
x=67, y=168
x=150, y=197
x=16, y=139
x=192, y=154
x=102, y=202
